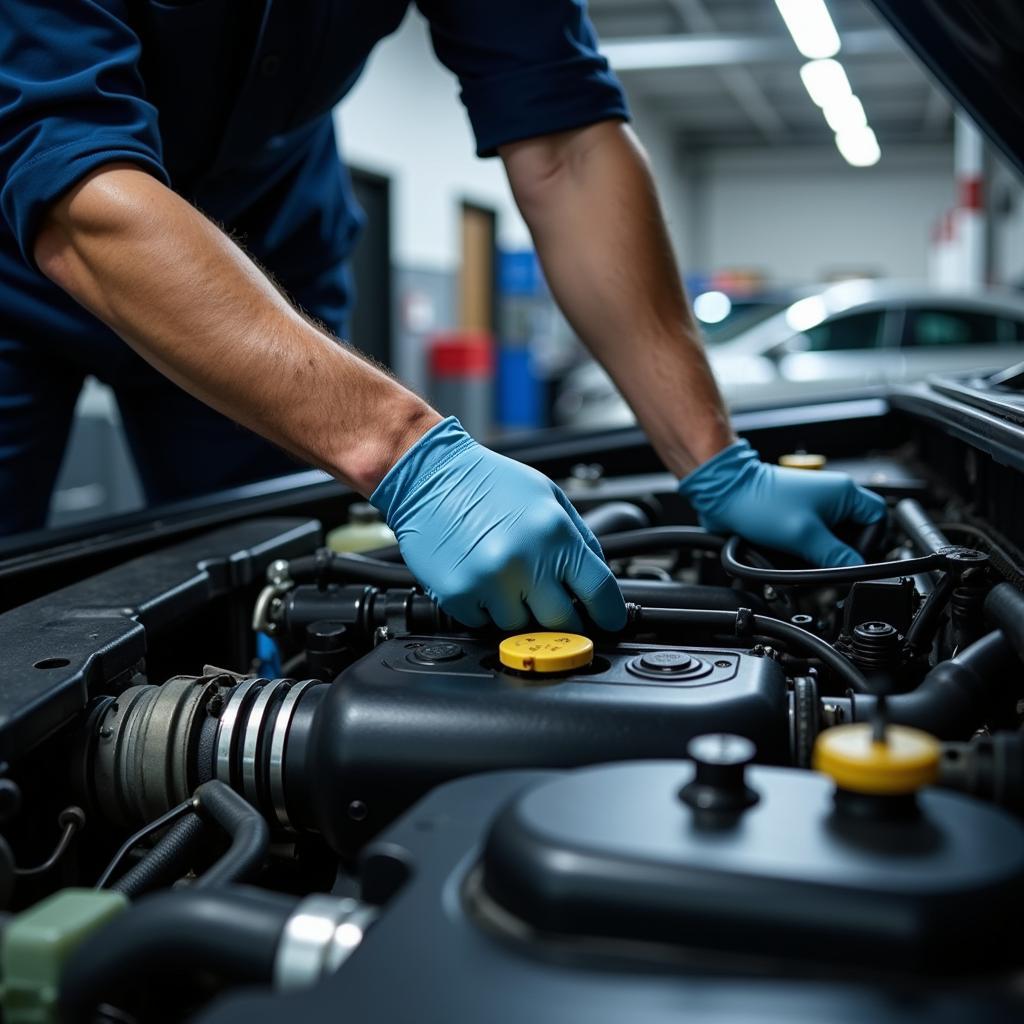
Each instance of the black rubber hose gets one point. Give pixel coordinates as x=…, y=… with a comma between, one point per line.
x=763, y=625
x=670, y=594
x=953, y=699
x=1004, y=607
x=250, y=835
x=922, y=630
x=230, y=932
x=616, y=516
x=659, y=538
x=916, y=524
x=358, y=568
x=170, y=857
x=840, y=574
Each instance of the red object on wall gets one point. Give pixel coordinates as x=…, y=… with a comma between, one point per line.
x=461, y=354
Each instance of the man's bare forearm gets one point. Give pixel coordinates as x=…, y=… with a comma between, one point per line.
x=589, y=200
x=189, y=301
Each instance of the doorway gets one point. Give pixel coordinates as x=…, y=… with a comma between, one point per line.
x=478, y=269
x=371, y=326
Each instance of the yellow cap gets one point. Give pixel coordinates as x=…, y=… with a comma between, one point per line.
x=906, y=761
x=802, y=460
x=546, y=652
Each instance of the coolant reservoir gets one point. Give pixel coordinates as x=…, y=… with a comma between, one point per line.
x=364, y=531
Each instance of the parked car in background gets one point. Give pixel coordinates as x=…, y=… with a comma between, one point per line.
x=832, y=340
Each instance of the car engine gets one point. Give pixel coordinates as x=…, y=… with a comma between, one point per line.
x=250, y=778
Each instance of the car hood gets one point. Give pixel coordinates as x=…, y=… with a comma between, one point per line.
x=974, y=48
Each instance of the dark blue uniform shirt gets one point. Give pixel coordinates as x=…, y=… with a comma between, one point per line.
x=228, y=102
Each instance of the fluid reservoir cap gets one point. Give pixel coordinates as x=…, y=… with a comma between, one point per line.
x=906, y=761
x=802, y=460
x=546, y=652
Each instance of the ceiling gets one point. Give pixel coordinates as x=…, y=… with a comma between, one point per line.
x=740, y=83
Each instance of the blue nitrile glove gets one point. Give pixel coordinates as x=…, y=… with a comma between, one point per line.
x=488, y=536
x=788, y=509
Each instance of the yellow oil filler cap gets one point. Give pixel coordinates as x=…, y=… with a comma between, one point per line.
x=907, y=760
x=546, y=652
x=802, y=460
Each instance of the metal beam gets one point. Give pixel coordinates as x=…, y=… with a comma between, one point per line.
x=737, y=78
x=715, y=50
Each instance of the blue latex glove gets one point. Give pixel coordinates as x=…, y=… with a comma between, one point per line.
x=788, y=509
x=490, y=537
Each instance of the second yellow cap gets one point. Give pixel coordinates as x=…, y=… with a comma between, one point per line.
x=906, y=761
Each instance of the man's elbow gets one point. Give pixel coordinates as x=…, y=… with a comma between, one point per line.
x=542, y=168
x=103, y=204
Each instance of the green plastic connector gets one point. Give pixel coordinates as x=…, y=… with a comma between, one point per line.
x=36, y=945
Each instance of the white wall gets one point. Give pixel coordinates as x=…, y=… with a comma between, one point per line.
x=404, y=119
x=802, y=215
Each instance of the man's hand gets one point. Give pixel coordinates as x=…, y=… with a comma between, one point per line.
x=491, y=538
x=788, y=509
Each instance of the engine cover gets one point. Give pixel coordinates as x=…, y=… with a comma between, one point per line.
x=418, y=711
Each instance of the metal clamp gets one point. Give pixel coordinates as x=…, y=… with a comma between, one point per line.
x=318, y=938
x=268, y=604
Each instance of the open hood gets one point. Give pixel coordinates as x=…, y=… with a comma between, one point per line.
x=975, y=48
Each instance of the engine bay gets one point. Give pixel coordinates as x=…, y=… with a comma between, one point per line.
x=247, y=775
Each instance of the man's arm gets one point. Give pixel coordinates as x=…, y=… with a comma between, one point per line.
x=189, y=301
x=592, y=209
x=491, y=539
x=591, y=206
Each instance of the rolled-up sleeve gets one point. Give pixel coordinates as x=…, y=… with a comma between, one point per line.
x=71, y=99
x=525, y=67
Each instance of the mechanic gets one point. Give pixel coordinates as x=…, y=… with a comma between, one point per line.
x=144, y=143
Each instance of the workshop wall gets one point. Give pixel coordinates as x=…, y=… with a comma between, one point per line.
x=804, y=216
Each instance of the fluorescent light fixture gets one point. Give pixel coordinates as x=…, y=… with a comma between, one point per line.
x=846, y=115
x=859, y=146
x=825, y=81
x=712, y=307
x=806, y=313
x=811, y=27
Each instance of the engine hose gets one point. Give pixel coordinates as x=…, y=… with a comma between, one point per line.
x=170, y=858
x=615, y=517
x=840, y=574
x=1004, y=607
x=916, y=524
x=952, y=700
x=231, y=932
x=670, y=594
x=747, y=624
x=926, y=623
x=250, y=835
x=177, y=849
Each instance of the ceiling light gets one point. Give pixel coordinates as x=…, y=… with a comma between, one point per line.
x=859, y=147
x=712, y=307
x=845, y=115
x=825, y=81
x=810, y=26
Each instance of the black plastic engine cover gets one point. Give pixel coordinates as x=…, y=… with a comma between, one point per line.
x=433, y=958
x=613, y=852
x=418, y=711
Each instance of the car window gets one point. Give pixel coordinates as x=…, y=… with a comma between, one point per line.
x=944, y=328
x=1012, y=331
x=845, y=333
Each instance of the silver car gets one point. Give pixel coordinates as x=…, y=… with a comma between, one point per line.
x=831, y=340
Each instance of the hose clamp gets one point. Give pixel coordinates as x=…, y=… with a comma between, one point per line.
x=319, y=936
